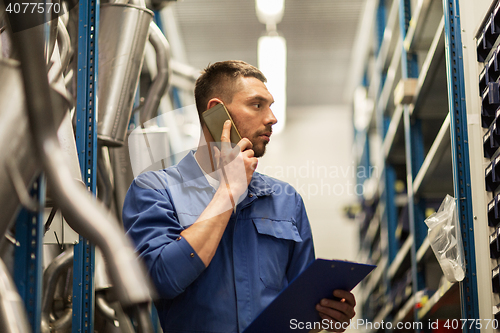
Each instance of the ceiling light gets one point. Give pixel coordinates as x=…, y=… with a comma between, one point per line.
x=272, y=62
x=270, y=11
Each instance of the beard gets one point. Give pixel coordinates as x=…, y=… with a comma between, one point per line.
x=259, y=148
x=259, y=145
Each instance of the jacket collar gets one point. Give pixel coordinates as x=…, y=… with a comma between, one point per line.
x=192, y=176
x=259, y=186
x=191, y=173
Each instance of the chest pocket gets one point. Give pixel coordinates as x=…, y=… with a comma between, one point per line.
x=276, y=239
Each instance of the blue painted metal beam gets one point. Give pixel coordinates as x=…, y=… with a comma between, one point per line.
x=391, y=211
x=86, y=140
x=460, y=156
x=381, y=23
x=28, y=256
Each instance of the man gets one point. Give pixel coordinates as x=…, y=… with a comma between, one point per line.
x=220, y=240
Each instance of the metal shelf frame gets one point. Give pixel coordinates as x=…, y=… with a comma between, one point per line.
x=86, y=142
x=460, y=155
x=397, y=126
x=28, y=255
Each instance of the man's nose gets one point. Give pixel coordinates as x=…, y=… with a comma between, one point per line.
x=270, y=118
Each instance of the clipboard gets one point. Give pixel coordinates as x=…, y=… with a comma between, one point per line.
x=298, y=300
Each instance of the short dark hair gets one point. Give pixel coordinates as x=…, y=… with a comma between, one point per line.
x=219, y=80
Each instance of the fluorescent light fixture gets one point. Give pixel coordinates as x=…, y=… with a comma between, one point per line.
x=270, y=11
x=272, y=62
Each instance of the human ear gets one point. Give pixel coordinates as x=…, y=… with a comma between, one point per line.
x=213, y=102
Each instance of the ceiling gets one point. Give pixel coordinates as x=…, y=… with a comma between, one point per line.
x=319, y=34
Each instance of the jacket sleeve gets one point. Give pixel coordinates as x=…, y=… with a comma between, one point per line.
x=303, y=252
x=150, y=219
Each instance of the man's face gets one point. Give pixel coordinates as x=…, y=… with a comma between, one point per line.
x=251, y=112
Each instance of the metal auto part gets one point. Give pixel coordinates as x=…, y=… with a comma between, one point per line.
x=50, y=277
x=12, y=312
x=123, y=32
x=84, y=214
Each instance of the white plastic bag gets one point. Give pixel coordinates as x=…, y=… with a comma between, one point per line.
x=446, y=241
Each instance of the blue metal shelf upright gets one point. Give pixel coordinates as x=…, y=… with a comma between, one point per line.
x=28, y=256
x=411, y=143
x=86, y=141
x=460, y=154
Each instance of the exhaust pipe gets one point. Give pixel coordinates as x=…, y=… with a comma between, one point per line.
x=61, y=263
x=13, y=317
x=123, y=33
x=161, y=81
x=84, y=214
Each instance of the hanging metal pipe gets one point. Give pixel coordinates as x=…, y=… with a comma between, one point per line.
x=61, y=263
x=161, y=81
x=13, y=317
x=123, y=33
x=104, y=307
x=140, y=3
x=17, y=165
x=83, y=213
x=103, y=179
x=64, y=43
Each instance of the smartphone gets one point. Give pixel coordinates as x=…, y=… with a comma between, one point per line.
x=214, y=118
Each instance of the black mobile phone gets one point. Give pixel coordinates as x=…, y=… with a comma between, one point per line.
x=214, y=118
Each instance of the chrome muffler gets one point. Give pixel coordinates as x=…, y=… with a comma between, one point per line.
x=123, y=32
x=18, y=167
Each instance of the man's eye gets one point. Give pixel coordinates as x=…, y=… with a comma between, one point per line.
x=257, y=106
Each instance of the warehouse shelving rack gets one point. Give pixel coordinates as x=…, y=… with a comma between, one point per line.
x=410, y=144
x=86, y=143
x=426, y=147
x=29, y=225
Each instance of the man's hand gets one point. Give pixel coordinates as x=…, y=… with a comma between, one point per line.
x=337, y=311
x=236, y=165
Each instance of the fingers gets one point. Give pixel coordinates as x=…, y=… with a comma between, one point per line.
x=225, y=138
x=245, y=144
x=339, y=311
x=346, y=295
x=226, y=132
x=248, y=153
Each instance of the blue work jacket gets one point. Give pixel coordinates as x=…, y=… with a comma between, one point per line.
x=266, y=244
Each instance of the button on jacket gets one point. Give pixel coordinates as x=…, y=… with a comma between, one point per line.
x=266, y=244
